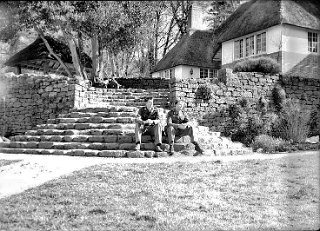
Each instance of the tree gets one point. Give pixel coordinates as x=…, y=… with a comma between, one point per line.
x=219, y=11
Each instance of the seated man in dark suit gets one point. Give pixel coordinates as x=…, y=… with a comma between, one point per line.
x=148, y=122
x=177, y=125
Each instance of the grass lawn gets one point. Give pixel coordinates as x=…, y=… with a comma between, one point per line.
x=7, y=162
x=278, y=194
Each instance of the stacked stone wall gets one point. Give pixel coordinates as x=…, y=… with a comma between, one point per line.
x=144, y=83
x=230, y=88
x=27, y=100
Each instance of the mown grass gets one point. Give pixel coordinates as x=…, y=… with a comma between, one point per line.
x=7, y=162
x=278, y=194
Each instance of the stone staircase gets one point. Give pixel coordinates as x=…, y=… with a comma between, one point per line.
x=107, y=130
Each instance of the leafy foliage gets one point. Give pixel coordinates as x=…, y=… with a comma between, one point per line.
x=268, y=143
x=294, y=122
x=204, y=92
x=263, y=64
x=279, y=96
x=315, y=122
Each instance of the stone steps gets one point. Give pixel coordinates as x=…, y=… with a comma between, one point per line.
x=106, y=129
x=98, y=114
x=92, y=146
x=86, y=152
x=78, y=132
x=92, y=119
x=106, y=108
x=85, y=126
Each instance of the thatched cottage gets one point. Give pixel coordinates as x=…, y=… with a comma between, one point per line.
x=286, y=30
x=192, y=56
x=36, y=57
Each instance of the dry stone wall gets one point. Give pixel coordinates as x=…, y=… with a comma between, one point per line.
x=30, y=99
x=144, y=83
x=231, y=88
x=27, y=100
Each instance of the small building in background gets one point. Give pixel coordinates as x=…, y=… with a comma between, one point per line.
x=192, y=56
x=36, y=58
x=287, y=31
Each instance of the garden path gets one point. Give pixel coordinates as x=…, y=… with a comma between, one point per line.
x=34, y=170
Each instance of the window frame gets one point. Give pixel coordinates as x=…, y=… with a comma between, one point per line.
x=209, y=73
x=242, y=53
x=263, y=43
x=249, y=46
x=313, y=45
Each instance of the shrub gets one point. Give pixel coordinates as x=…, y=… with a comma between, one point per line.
x=262, y=64
x=279, y=96
x=268, y=143
x=243, y=102
x=204, y=92
x=315, y=122
x=294, y=122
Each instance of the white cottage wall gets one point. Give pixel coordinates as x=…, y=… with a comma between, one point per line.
x=295, y=46
x=273, y=43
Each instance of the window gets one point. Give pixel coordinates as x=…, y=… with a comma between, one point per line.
x=313, y=42
x=208, y=73
x=261, y=43
x=172, y=73
x=238, y=49
x=250, y=46
x=203, y=73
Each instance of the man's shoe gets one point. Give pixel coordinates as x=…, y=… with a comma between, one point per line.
x=137, y=147
x=171, y=149
x=198, y=148
x=158, y=149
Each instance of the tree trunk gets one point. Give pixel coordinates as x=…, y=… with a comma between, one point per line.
x=111, y=64
x=74, y=53
x=82, y=68
x=102, y=64
x=95, y=57
x=168, y=38
x=52, y=53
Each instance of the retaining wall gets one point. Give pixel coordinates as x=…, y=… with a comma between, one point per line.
x=144, y=83
x=27, y=100
x=230, y=88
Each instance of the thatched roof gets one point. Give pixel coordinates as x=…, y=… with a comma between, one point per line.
x=191, y=50
x=36, y=56
x=257, y=15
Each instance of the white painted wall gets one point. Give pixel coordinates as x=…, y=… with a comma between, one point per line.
x=295, y=39
x=295, y=46
x=227, y=52
x=181, y=72
x=186, y=72
x=273, y=37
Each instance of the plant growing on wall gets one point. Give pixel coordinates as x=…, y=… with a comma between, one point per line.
x=262, y=64
x=279, y=96
x=204, y=93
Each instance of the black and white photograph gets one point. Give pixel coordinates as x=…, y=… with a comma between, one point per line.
x=160, y=115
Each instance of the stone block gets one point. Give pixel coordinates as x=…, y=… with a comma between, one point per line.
x=127, y=146
x=113, y=153
x=81, y=139
x=96, y=139
x=135, y=154
x=45, y=145
x=125, y=139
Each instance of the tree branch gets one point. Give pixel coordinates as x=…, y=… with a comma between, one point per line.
x=51, y=52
